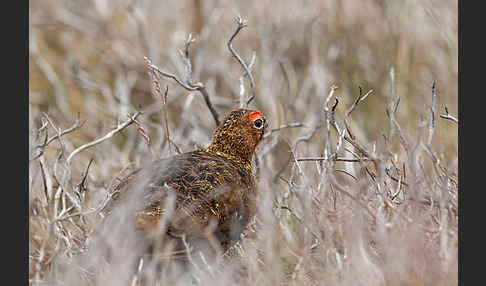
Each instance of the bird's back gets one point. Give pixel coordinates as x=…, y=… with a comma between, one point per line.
x=206, y=187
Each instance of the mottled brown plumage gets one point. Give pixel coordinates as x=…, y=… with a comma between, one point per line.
x=214, y=185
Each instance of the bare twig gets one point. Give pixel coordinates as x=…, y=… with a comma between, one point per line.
x=81, y=185
x=341, y=133
x=41, y=146
x=310, y=159
x=62, y=182
x=306, y=137
x=78, y=124
x=44, y=182
x=448, y=116
x=329, y=115
x=392, y=103
x=241, y=24
x=352, y=108
x=61, y=143
x=432, y=115
x=244, y=103
x=190, y=86
x=169, y=75
x=187, y=59
x=110, y=134
x=290, y=125
x=403, y=139
x=166, y=117
x=347, y=173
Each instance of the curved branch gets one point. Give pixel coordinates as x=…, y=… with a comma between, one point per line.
x=241, y=24
x=107, y=136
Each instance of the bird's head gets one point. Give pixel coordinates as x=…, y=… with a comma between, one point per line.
x=239, y=134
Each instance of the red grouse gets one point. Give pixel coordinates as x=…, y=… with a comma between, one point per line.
x=211, y=187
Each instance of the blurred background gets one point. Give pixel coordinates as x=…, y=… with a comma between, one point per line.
x=87, y=57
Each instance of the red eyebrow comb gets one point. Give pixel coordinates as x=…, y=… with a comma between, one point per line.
x=254, y=115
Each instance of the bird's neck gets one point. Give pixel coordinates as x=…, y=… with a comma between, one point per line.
x=234, y=152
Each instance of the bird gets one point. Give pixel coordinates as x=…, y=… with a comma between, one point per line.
x=212, y=190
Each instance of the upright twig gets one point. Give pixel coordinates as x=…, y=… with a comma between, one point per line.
x=64, y=180
x=241, y=24
x=187, y=59
x=188, y=84
x=77, y=124
x=243, y=102
x=352, y=108
x=166, y=117
x=432, y=115
x=392, y=102
x=327, y=151
x=82, y=184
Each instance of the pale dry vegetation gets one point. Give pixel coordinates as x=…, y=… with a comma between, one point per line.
x=358, y=184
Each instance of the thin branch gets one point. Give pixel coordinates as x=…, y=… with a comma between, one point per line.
x=83, y=180
x=199, y=86
x=432, y=115
x=110, y=134
x=392, y=103
x=448, y=116
x=187, y=59
x=41, y=146
x=352, y=108
x=340, y=132
x=62, y=189
x=242, y=85
x=44, y=182
x=166, y=117
x=241, y=24
x=335, y=159
x=305, y=138
x=403, y=139
x=63, y=148
x=78, y=124
x=169, y=75
x=291, y=125
x=328, y=114
x=347, y=173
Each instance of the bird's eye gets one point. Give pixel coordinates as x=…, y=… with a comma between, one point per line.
x=258, y=123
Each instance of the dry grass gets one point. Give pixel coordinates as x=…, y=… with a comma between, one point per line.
x=386, y=217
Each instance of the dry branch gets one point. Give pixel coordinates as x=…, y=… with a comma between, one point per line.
x=78, y=124
x=448, y=116
x=328, y=115
x=359, y=99
x=241, y=24
x=291, y=125
x=313, y=159
x=189, y=84
x=432, y=115
x=110, y=134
